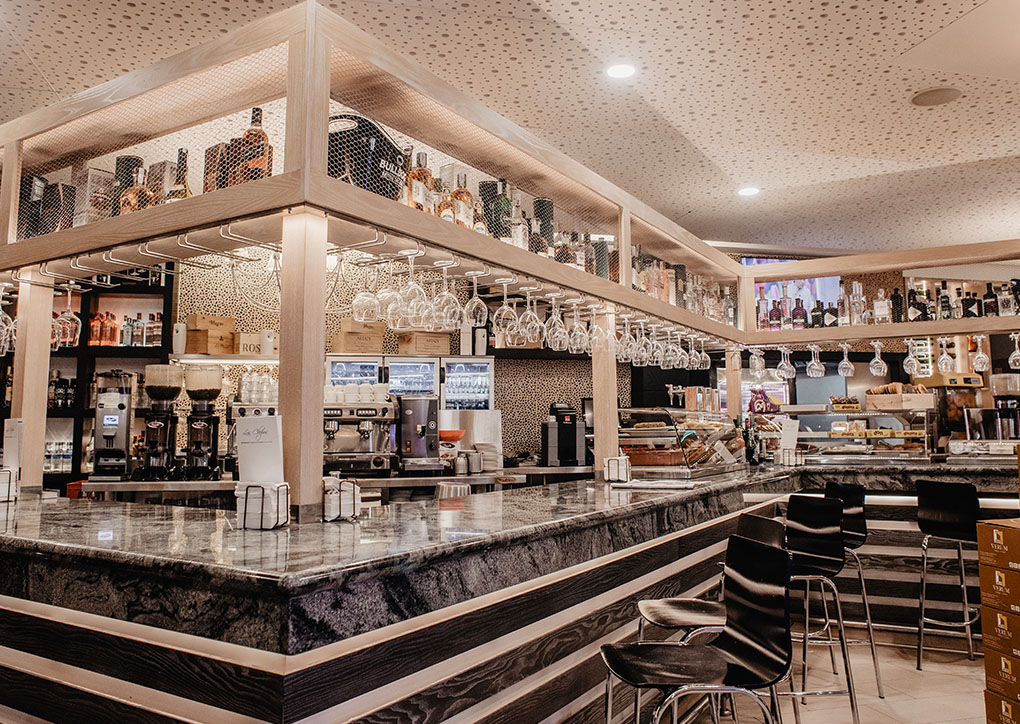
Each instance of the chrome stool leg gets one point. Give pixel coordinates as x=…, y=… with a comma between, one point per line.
x=920, y=618
x=966, y=605
x=851, y=692
x=867, y=621
x=609, y=698
x=807, y=630
x=828, y=628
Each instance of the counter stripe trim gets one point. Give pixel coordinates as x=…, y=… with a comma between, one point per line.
x=174, y=708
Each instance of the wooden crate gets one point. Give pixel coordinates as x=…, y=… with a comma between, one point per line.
x=211, y=322
x=423, y=343
x=208, y=341
x=923, y=401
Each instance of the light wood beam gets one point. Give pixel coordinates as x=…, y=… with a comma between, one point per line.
x=604, y=397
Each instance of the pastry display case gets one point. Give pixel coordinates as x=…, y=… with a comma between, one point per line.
x=677, y=443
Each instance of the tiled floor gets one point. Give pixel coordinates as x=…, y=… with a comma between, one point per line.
x=948, y=691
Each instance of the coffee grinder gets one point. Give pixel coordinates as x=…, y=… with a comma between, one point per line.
x=418, y=431
x=112, y=431
x=203, y=384
x=163, y=383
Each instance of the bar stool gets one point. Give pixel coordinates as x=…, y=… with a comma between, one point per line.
x=814, y=537
x=752, y=652
x=855, y=535
x=949, y=511
x=452, y=490
x=688, y=613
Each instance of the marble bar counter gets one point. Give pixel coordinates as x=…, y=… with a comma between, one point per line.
x=487, y=608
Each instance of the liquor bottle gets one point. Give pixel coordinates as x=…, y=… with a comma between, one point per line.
x=978, y=304
x=9, y=388
x=518, y=224
x=945, y=302
x=786, y=307
x=1007, y=305
x=126, y=331
x=51, y=389
x=856, y=304
x=958, y=304
x=502, y=213
x=137, y=337
x=1016, y=292
x=445, y=210
x=478, y=219
x=589, y=257
x=420, y=184
x=763, y=314
x=970, y=306
x=123, y=178
x=536, y=242
x=153, y=331
x=139, y=196
x=817, y=318
x=799, y=315
x=254, y=155
x=843, y=308
x=96, y=329
x=180, y=189
x=729, y=309
x=896, y=305
x=881, y=307
x=775, y=316
x=463, y=203
x=991, y=301
x=831, y=318
x=914, y=310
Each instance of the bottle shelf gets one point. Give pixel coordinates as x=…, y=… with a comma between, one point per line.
x=98, y=351
x=938, y=328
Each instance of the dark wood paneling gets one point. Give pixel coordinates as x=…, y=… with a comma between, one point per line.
x=61, y=704
x=234, y=688
x=361, y=671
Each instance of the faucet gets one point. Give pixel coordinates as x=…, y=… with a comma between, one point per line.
x=674, y=391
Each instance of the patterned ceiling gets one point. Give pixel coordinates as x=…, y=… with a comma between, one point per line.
x=806, y=99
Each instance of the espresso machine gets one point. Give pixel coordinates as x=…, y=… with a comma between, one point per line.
x=163, y=383
x=418, y=434
x=1006, y=394
x=357, y=437
x=112, y=431
x=203, y=384
x=563, y=442
x=235, y=411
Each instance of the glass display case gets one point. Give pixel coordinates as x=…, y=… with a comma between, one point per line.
x=665, y=442
x=467, y=383
x=413, y=375
x=352, y=369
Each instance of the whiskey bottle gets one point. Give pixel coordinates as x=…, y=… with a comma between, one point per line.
x=817, y=315
x=139, y=196
x=445, y=210
x=463, y=203
x=180, y=189
x=881, y=307
x=255, y=155
x=420, y=184
x=775, y=316
x=991, y=301
x=799, y=315
x=896, y=305
x=1007, y=305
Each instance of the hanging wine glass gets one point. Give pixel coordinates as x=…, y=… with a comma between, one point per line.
x=756, y=365
x=389, y=296
x=1014, y=358
x=597, y=337
x=529, y=322
x=658, y=353
x=846, y=367
x=428, y=317
x=877, y=366
x=910, y=364
x=365, y=306
x=944, y=363
x=643, y=353
x=706, y=360
x=70, y=324
x=504, y=316
x=626, y=341
x=412, y=294
x=815, y=368
x=476, y=313
x=7, y=324
x=683, y=360
x=447, y=310
x=693, y=358
x=577, y=342
x=515, y=336
x=981, y=361
x=785, y=369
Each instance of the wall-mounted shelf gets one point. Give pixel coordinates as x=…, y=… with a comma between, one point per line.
x=939, y=328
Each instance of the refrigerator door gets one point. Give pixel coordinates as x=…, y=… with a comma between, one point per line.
x=468, y=383
x=346, y=369
x=413, y=375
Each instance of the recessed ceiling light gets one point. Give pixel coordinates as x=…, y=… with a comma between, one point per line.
x=936, y=96
x=748, y=191
x=621, y=70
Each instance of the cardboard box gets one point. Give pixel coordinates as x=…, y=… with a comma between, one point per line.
x=1002, y=676
x=925, y=401
x=999, y=710
x=423, y=343
x=209, y=341
x=211, y=322
x=999, y=544
x=1000, y=631
x=1000, y=588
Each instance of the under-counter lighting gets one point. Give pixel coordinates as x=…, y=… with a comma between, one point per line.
x=621, y=70
x=236, y=359
x=749, y=191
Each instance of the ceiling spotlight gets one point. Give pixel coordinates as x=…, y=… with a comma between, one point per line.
x=621, y=70
x=749, y=191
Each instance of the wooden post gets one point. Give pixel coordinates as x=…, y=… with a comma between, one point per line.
x=302, y=358
x=604, y=397
x=307, y=99
x=623, y=248
x=10, y=185
x=746, y=304
x=734, y=403
x=31, y=373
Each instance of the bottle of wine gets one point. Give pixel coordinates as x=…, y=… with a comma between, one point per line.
x=180, y=189
x=463, y=203
x=445, y=209
x=255, y=155
x=420, y=184
x=896, y=304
